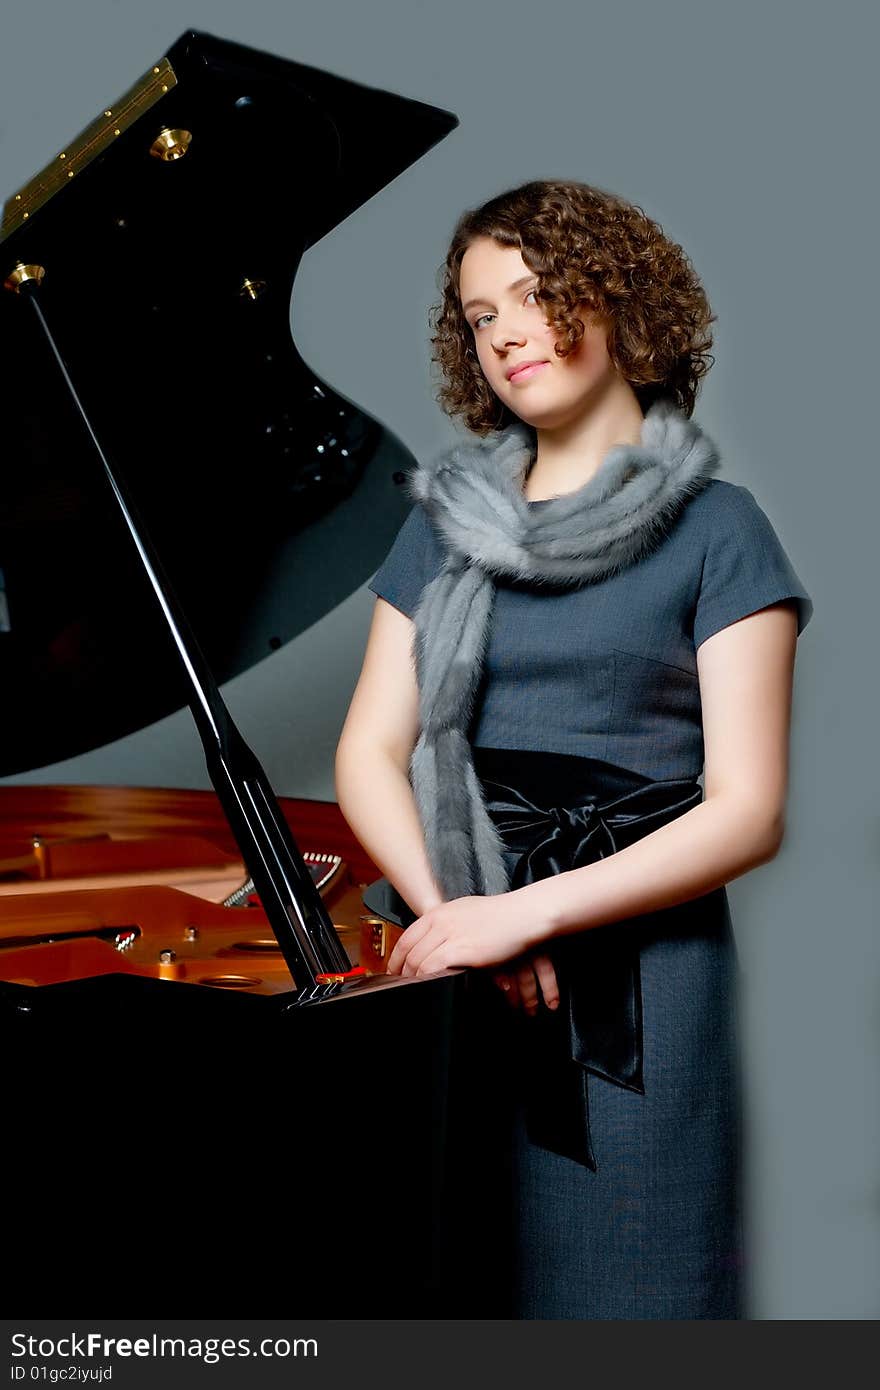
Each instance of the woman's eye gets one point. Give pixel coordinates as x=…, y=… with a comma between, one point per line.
x=479, y=320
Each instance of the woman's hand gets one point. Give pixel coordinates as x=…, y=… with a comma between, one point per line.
x=522, y=982
x=467, y=932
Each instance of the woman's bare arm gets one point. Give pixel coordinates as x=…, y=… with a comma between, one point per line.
x=374, y=793
x=372, y=760
x=746, y=673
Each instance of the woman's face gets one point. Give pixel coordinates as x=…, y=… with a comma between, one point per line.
x=509, y=329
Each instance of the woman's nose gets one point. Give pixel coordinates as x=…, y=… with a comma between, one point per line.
x=507, y=333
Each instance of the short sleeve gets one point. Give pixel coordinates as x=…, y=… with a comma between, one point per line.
x=413, y=560
x=745, y=567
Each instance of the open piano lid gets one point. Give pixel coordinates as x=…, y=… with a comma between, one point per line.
x=170, y=233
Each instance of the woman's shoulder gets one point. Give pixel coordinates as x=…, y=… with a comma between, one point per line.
x=415, y=557
x=418, y=535
x=744, y=565
x=721, y=500
x=724, y=515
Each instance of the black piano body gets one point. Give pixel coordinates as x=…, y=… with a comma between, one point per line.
x=173, y=1147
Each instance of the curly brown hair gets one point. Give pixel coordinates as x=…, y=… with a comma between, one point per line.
x=587, y=247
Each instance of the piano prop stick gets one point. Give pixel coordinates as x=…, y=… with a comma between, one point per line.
x=287, y=892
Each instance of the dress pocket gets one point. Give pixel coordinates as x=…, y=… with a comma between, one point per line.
x=655, y=721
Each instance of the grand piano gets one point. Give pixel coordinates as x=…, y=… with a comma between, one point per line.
x=214, y=1099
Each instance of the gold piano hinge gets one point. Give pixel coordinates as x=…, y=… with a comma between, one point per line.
x=96, y=138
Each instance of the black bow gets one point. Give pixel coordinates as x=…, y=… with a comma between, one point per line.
x=598, y=1027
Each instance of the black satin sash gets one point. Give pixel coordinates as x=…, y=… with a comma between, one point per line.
x=557, y=812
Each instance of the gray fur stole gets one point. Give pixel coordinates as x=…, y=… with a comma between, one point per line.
x=474, y=496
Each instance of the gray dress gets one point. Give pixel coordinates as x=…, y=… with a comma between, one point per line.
x=608, y=671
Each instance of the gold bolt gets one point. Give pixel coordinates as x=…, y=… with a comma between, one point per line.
x=170, y=144
x=19, y=276
x=117, y=132
x=62, y=156
x=108, y=113
x=155, y=69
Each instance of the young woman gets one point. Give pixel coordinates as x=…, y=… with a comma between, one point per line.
x=575, y=621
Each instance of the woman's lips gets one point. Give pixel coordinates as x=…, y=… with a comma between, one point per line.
x=525, y=372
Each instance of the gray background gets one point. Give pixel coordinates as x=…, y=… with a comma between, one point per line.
x=748, y=132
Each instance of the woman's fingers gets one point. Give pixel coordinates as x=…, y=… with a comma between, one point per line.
x=528, y=987
x=528, y=980
x=509, y=986
x=546, y=975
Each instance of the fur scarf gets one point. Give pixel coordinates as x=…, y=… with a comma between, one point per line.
x=474, y=496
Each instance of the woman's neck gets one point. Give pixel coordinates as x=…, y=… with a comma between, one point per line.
x=569, y=455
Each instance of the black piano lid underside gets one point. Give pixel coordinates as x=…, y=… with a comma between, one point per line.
x=269, y=497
